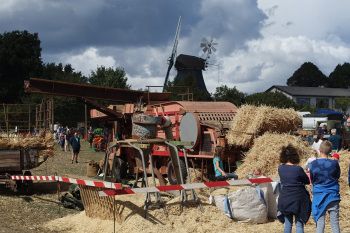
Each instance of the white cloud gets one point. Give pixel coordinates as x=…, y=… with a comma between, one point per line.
x=273, y=59
x=89, y=60
x=261, y=43
x=315, y=19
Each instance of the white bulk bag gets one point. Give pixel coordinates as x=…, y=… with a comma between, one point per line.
x=271, y=193
x=223, y=204
x=248, y=205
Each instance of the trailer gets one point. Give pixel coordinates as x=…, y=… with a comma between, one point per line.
x=18, y=162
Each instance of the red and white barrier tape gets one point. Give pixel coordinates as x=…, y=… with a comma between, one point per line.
x=118, y=189
x=41, y=178
x=91, y=183
x=214, y=184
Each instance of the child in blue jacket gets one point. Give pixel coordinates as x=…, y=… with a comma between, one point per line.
x=325, y=174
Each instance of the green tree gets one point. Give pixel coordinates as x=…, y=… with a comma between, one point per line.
x=270, y=99
x=58, y=72
x=340, y=77
x=342, y=103
x=109, y=77
x=233, y=95
x=308, y=75
x=20, y=59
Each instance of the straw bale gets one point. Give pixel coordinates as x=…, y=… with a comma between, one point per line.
x=252, y=121
x=44, y=142
x=265, y=153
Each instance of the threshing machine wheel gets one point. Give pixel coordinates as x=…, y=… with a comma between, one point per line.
x=171, y=172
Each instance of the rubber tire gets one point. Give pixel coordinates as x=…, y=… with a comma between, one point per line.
x=171, y=172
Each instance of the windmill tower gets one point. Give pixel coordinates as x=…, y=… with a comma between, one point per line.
x=189, y=68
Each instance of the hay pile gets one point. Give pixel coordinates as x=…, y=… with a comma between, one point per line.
x=344, y=187
x=251, y=121
x=266, y=151
x=44, y=143
x=191, y=220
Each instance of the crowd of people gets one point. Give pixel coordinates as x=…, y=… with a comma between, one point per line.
x=69, y=140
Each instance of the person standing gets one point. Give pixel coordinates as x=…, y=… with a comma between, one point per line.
x=325, y=174
x=90, y=136
x=294, y=200
x=75, y=143
x=62, y=140
x=323, y=129
x=335, y=139
x=67, y=141
x=317, y=143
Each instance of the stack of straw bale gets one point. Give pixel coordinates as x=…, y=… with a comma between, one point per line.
x=265, y=153
x=252, y=121
x=43, y=142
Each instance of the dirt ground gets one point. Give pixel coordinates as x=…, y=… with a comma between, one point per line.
x=20, y=213
x=40, y=212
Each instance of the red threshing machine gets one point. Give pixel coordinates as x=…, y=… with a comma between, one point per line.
x=172, y=136
x=204, y=124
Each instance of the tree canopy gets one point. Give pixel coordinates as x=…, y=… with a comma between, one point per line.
x=342, y=103
x=233, y=95
x=109, y=77
x=340, y=77
x=61, y=72
x=270, y=99
x=20, y=59
x=308, y=75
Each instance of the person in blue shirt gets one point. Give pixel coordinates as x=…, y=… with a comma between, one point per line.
x=325, y=174
x=220, y=174
x=294, y=200
x=75, y=142
x=335, y=139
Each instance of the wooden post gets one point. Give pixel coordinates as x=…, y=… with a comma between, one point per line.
x=36, y=117
x=7, y=120
x=86, y=130
x=40, y=115
x=52, y=114
x=28, y=118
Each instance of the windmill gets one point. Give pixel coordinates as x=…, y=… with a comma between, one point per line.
x=173, y=53
x=208, y=47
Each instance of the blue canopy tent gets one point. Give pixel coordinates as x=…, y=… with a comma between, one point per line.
x=325, y=111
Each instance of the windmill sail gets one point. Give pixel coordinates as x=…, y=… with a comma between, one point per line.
x=173, y=53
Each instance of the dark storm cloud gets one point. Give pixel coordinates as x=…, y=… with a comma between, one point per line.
x=134, y=34
x=67, y=25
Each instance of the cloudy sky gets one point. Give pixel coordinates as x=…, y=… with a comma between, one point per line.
x=260, y=42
